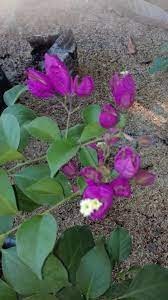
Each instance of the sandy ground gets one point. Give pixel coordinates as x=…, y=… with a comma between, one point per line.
x=102, y=39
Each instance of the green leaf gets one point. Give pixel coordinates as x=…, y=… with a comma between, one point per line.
x=12, y=95
x=30, y=176
x=91, y=131
x=70, y=293
x=81, y=184
x=21, y=112
x=42, y=231
x=149, y=284
x=122, y=121
x=2, y=239
x=160, y=64
x=23, y=202
x=59, y=154
x=6, y=223
x=72, y=245
x=46, y=191
x=75, y=132
x=117, y=289
x=7, y=197
x=119, y=245
x=6, y=292
x=9, y=131
x=23, y=115
x=88, y=157
x=42, y=297
x=8, y=154
x=36, y=184
x=91, y=113
x=65, y=183
x=94, y=273
x=25, y=282
x=44, y=129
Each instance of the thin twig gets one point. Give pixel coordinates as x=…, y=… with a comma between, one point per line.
x=28, y=162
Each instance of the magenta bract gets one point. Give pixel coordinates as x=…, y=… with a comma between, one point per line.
x=123, y=90
x=121, y=187
x=103, y=193
x=127, y=162
x=108, y=116
x=39, y=84
x=58, y=74
x=91, y=175
x=144, y=178
x=70, y=169
x=83, y=88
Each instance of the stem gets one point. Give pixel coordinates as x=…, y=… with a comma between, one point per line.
x=69, y=116
x=45, y=212
x=63, y=105
x=28, y=162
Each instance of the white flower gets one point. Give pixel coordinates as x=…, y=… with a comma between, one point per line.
x=88, y=206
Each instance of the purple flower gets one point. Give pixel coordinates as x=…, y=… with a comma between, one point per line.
x=70, y=169
x=57, y=80
x=121, y=187
x=123, y=90
x=39, y=84
x=127, y=162
x=108, y=116
x=97, y=200
x=85, y=87
x=91, y=175
x=58, y=74
x=144, y=178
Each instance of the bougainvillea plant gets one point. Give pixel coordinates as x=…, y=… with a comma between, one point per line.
x=94, y=162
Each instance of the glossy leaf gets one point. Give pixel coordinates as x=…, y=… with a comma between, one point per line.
x=12, y=95
x=7, y=197
x=21, y=112
x=70, y=293
x=119, y=245
x=30, y=176
x=77, y=240
x=25, y=282
x=42, y=297
x=81, y=184
x=24, y=203
x=75, y=132
x=149, y=284
x=8, y=154
x=88, y=157
x=44, y=128
x=6, y=292
x=65, y=183
x=23, y=115
x=91, y=113
x=91, y=131
x=9, y=131
x=6, y=223
x=59, y=154
x=160, y=64
x=42, y=231
x=94, y=273
x=46, y=191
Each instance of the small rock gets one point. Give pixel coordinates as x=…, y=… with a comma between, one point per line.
x=4, y=86
x=62, y=44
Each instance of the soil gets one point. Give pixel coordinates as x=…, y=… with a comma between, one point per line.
x=102, y=38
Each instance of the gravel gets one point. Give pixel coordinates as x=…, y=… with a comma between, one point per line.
x=102, y=39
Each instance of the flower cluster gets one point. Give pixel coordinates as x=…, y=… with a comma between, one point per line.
x=57, y=80
x=104, y=182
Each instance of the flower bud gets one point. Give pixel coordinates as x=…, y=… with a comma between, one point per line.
x=70, y=169
x=108, y=117
x=91, y=175
x=144, y=178
x=127, y=162
x=121, y=187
